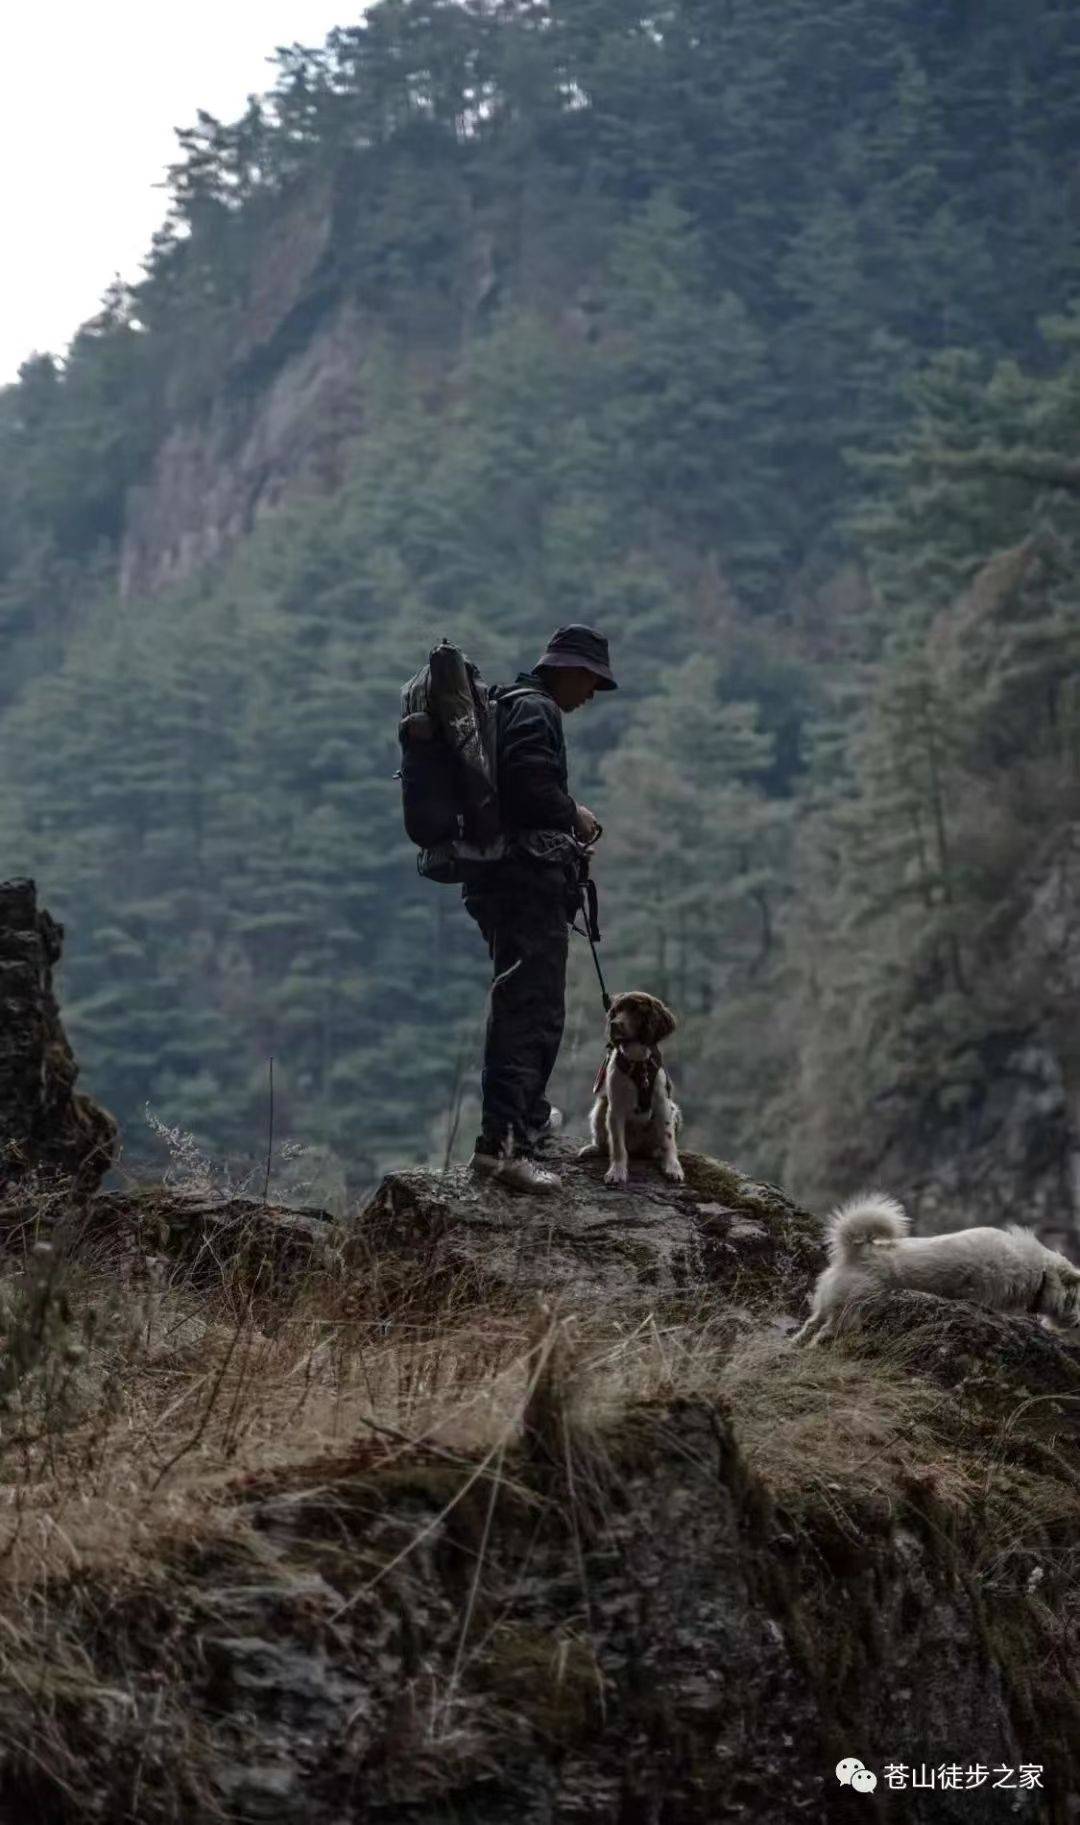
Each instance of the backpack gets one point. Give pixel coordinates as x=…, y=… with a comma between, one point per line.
x=449, y=767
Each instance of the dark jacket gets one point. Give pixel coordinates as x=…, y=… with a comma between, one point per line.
x=531, y=758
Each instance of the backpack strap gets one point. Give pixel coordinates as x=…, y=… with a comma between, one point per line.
x=518, y=690
x=512, y=692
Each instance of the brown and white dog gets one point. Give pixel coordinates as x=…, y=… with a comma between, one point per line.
x=634, y=1113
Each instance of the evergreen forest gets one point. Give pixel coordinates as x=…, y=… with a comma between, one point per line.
x=747, y=331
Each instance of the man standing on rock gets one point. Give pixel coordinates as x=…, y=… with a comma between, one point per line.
x=524, y=903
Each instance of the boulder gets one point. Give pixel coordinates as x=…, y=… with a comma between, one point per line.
x=48, y=1129
x=593, y=1241
x=266, y=1242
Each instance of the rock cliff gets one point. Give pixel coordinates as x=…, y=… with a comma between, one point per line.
x=998, y=1139
x=48, y=1129
x=257, y=447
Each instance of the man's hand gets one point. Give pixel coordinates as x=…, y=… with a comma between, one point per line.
x=586, y=827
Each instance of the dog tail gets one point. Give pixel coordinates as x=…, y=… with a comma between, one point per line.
x=870, y=1218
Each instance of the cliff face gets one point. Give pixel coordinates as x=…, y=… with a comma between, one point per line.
x=277, y=391
x=1000, y=1141
x=264, y=411
x=213, y=479
x=999, y=1146
x=1047, y=954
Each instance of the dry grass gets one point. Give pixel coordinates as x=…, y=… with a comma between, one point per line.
x=140, y=1399
x=141, y=1408
x=815, y=1423
x=175, y=1394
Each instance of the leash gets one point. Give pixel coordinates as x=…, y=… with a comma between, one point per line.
x=590, y=912
x=588, y=903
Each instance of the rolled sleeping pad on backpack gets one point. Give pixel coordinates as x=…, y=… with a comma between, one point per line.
x=466, y=721
x=432, y=813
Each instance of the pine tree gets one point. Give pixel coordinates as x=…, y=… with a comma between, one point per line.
x=687, y=418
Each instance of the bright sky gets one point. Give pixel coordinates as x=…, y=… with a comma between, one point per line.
x=92, y=93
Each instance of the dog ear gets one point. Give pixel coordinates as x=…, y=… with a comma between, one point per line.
x=661, y=1020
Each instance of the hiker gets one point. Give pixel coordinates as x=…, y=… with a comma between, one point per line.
x=524, y=903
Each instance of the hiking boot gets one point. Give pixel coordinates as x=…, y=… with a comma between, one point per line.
x=546, y=1129
x=514, y=1170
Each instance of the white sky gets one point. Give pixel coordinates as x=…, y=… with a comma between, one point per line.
x=92, y=92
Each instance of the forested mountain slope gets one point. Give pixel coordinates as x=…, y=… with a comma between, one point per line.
x=742, y=330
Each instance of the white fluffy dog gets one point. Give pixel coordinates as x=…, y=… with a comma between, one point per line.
x=870, y=1251
x=634, y=1112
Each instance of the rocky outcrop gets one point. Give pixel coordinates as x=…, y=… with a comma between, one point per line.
x=997, y=1138
x=1046, y=953
x=48, y=1129
x=447, y=1232
x=257, y=416
x=618, y=1626
x=659, y=1611
x=597, y=1242
x=252, y=1241
x=265, y=407
x=260, y=446
x=992, y=1144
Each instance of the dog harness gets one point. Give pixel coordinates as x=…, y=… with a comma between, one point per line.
x=643, y=1073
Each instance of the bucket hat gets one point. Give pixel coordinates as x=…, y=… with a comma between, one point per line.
x=583, y=646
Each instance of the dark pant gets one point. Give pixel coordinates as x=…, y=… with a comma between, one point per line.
x=528, y=940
